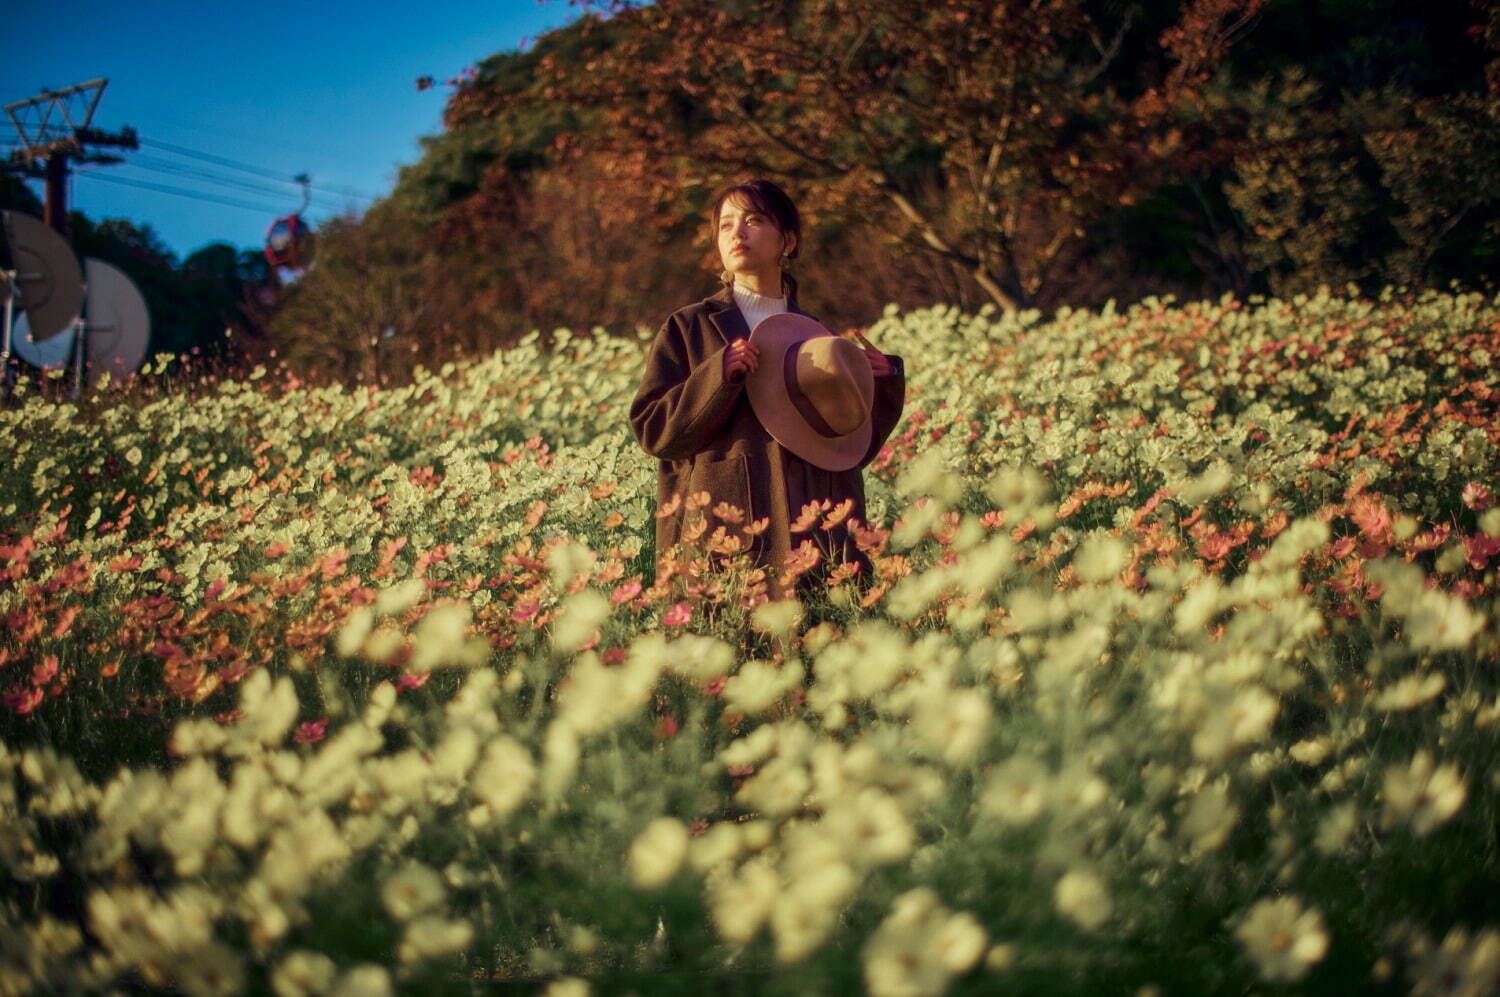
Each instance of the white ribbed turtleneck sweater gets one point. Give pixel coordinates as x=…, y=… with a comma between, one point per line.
x=756, y=306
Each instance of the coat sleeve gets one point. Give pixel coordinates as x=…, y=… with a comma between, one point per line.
x=890, y=400
x=679, y=410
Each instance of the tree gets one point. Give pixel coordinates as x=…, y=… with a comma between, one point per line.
x=990, y=134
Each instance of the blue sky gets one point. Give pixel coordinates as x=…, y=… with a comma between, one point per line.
x=327, y=89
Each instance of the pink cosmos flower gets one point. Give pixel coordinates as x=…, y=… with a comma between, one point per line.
x=1477, y=496
x=678, y=615
x=310, y=732
x=46, y=671
x=412, y=680
x=24, y=700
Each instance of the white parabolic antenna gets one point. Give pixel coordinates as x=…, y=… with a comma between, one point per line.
x=119, y=325
x=47, y=273
x=48, y=354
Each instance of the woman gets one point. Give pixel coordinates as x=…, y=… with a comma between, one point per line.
x=694, y=414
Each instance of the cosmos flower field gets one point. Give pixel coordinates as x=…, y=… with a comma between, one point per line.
x=1177, y=674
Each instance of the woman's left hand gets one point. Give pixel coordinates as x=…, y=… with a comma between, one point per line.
x=880, y=364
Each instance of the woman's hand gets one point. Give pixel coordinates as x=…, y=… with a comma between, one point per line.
x=741, y=358
x=880, y=364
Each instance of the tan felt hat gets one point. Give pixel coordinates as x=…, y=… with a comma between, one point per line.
x=813, y=391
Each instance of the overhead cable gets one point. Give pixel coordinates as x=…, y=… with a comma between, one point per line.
x=256, y=170
x=179, y=192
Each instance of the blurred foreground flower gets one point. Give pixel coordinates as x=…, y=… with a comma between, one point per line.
x=1422, y=793
x=1282, y=939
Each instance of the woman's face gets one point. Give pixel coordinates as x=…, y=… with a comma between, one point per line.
x=749, y=241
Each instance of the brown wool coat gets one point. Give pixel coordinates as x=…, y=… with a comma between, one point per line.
x=706, y=437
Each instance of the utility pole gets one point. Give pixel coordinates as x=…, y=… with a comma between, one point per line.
x=54, y=127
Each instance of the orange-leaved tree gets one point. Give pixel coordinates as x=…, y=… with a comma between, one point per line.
x=989, y=133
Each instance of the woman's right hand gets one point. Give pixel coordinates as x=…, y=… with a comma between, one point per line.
x=741, y=358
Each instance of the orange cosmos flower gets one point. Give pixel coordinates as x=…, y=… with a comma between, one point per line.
x=757, y=527
x=729, y=513
x=839, y=514
x=810, y=515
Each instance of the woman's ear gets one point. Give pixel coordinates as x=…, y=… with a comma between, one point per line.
x=788, y=244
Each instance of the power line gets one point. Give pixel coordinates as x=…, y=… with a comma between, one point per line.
x=177, y=169
x=179, y=192
x=279, y=143
x=256, y=170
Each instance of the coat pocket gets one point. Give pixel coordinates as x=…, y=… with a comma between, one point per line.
x=726, y=480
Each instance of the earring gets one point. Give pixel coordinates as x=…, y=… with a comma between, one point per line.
x=785, y=261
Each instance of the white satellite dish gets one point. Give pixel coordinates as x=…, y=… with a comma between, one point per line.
x=49, y=354
x=47, y=274
x=117, y=322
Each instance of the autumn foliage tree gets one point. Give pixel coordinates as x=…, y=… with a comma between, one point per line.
x=989, y=134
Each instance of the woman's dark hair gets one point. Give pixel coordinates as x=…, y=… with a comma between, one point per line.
x=770, y=200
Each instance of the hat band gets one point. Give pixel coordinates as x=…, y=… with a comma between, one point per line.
x=802, y=403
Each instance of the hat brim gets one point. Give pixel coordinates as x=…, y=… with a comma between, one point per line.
x=773, y=405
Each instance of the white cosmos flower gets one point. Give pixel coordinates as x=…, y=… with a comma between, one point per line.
x=432, y=935
x=959, y=942
x=920, y=946
x=412, y=890
x=1198, y=606
x=692, y=655
x=1245, y=719
x=441, y=640
x=718, y=846
x=398, y=598
x=503, y=778
x=1441, y=622
x=561, y=752
x=1336, y=827
x=1210, y=817
x=197, y=736
x=800, y=923
x=1422, y=794
x=354, y=631
x=303, y=974
x=872, y=826
x=657, y=852
x=1411, y=691
x=1462, y=966
x=759, y=685
x=568, y=986
x=1017, y=790
x=777, y=618
x=1100, y=558
x=1311, y=751
x=579, y=617
x=778, y=789
x=741, y=901
x=1282, y=938
x=568, y=560
x=953, y=724
x=1083, y=898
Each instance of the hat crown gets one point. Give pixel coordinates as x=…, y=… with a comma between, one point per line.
x=814, y=392
x=826, y=373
